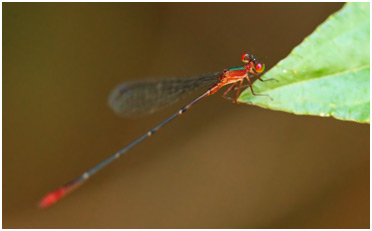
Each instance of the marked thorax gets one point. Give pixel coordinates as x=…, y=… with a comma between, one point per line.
x=234, y=75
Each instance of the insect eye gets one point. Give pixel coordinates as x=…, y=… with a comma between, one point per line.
x=245, y=58
x=260, y=67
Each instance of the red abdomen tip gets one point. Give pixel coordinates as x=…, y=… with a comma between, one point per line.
x=52, y=198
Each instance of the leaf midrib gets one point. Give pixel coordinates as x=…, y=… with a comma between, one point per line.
x=320, y=77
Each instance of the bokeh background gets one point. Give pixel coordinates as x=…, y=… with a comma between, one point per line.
x=220, y=165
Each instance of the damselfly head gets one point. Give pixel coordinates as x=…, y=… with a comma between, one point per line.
x=258, y=66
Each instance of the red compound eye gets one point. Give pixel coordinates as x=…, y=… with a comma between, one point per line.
x=260, y=67
x=245, y=58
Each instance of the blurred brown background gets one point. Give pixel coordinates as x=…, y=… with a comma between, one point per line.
x=220, y=165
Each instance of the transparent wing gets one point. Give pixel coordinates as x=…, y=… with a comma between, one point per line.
x=148, y=96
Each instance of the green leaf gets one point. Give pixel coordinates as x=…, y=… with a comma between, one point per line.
x=327, y=74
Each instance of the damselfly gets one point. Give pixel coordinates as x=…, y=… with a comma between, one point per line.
x=148, y=96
